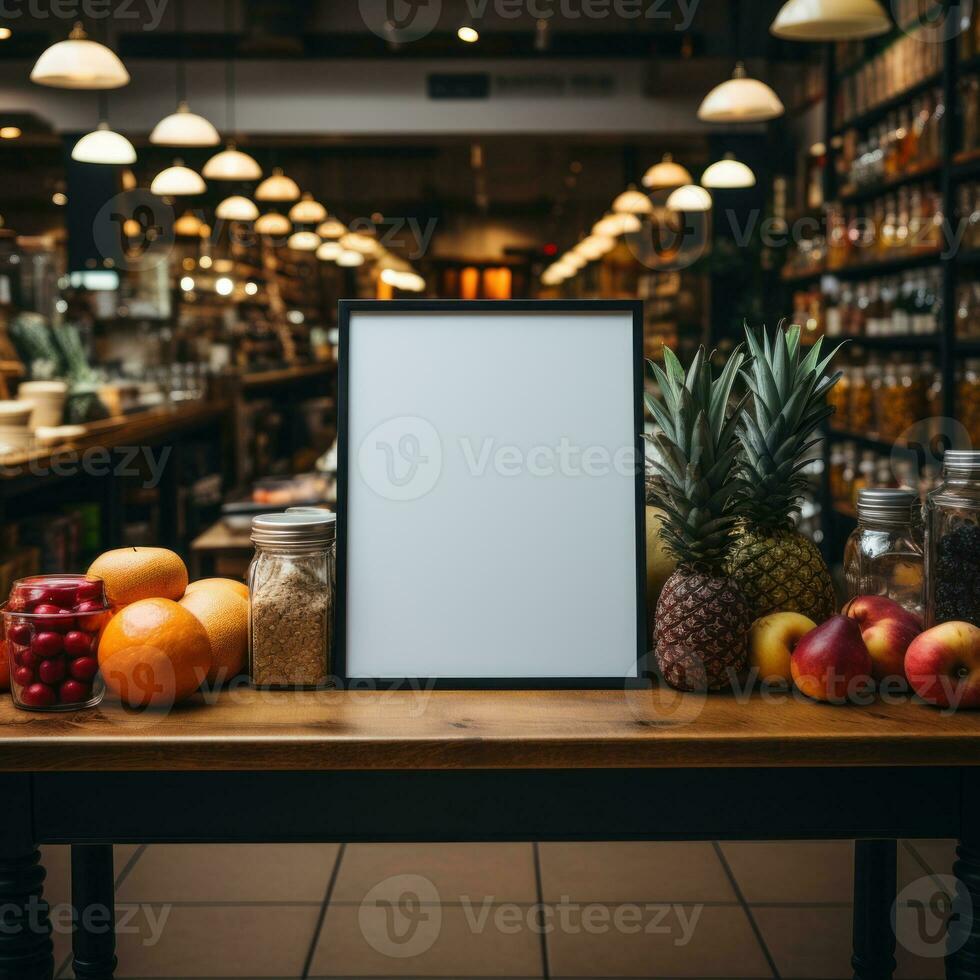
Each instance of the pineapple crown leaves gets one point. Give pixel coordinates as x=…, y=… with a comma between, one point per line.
x=696, y=480
x=789, y=392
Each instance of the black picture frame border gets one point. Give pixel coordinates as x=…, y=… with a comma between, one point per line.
x=347, y=307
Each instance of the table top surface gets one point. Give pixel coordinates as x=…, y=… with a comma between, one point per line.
x=243, y=729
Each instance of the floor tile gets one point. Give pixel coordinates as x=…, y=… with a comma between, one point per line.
x=501, y=872
x=634, y=872
x=231, y=873
x=792, y=871
x=430, y=941
x=242, y=941
x=808, y=942
x=56, y=859
x=693, y=941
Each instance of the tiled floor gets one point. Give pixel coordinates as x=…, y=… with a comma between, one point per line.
x=697, y=910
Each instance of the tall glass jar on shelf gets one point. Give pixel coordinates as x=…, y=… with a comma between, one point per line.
x=953, y=541
x=884, y=554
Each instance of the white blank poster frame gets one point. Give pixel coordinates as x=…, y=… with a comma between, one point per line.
x=491, y=526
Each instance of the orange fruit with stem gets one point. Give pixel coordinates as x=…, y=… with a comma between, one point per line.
x=131, y=574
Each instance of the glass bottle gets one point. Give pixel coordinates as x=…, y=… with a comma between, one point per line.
x=884, y=554
x=953, y=541
x=291, y=583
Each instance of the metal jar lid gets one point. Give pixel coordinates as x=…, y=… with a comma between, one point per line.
x=963, y=463
x=301, y=529
x=890, y=505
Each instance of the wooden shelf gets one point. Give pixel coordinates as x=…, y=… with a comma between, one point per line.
x=870, y=116
x=899, y=342
x=876, y=190
x=868, y=270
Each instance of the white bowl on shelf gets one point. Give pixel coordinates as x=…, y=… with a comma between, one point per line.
x=15, y=413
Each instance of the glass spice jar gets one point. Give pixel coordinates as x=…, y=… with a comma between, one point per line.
x=884, y=554
x=953, y=541
x=291, y=583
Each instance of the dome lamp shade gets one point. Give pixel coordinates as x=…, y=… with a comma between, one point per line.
x=728, y=173
x=830, y=20
x=184, y=128
x=277, y=187
x=237, y=208
x=79, y=63
x=103, y=145
x=690, y=197
x=177, y=181
x=232, y=164
x=666, y=174
x=740, y=100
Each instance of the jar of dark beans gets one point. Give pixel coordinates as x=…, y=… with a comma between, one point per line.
x=953, y=541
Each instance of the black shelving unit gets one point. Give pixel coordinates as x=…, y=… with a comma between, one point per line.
x=949, y=171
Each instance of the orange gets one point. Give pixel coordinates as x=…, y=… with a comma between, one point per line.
x=154, y=653
x=239, y=588
x=224, y=616
x=131, y=574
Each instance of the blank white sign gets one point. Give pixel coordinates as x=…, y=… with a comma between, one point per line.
x=489, y=503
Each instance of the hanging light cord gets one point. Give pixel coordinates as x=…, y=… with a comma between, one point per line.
x=181, y=52
x=230, y=71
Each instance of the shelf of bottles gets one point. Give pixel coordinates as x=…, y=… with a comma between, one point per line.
x=896, y=271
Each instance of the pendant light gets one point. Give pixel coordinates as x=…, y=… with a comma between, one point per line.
x=329, y=251
x=331, y=228
x=188, y=225
x=306, y=211
x=236, y=208
x=183, y=127
x=304, y=241
x=231, y=163
x=79, y=63
x=273, y=223
x=690, y=197
x=177, y=181
x=666, y=174
x=103, y=145
x=632, y=201
x=728, y=173
x=277, y=187
x=613, y=225
x=356, y=242
x=740, y=99
x=349, y=259
x=830, y=20
x=594, y=247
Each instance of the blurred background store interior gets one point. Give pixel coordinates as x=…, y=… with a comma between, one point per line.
x=462, y=153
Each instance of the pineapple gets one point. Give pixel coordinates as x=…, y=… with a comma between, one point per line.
x=776, y=567
x=702, y=620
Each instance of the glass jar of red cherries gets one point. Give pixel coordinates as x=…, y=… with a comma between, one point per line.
x=52, y=625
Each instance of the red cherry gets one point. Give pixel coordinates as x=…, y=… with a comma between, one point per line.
x=38, y=696
x=72, y=692
x=89, y=615
x=88, y=592
x=23, y=676
x=52, y=671
x=83, y=668
x=77, y=643
x=47, y=609
x=27, y=596
x=47, y=644
x=56, y=618
x=20, y=633
x=27, y=659
x=62, y=596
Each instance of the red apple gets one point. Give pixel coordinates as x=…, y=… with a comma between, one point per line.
x=887, y=630
x=831, y=663
x=943, y=665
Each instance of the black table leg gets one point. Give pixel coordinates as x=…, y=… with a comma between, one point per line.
x=963, y=957
x=874, y=894
x=94, y=899
x=25, y=930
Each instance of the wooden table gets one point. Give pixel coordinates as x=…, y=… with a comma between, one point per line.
x=482, y=766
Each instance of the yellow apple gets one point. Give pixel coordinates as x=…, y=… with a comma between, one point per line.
x=772, y=640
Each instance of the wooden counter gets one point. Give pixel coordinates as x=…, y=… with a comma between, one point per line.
x=331, y=730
